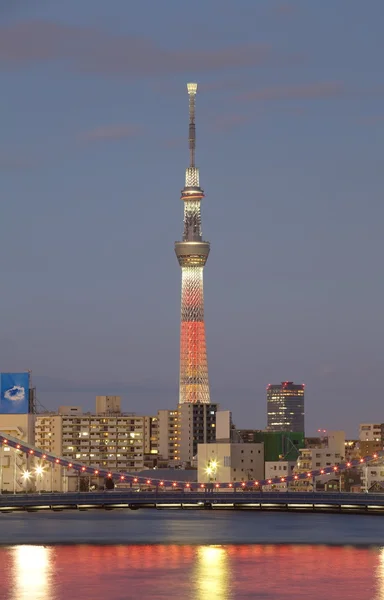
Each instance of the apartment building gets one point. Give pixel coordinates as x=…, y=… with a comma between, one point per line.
x=108, y=439
x=110, y=442
x=48, y=437
x=168, y=432
x=371, y=432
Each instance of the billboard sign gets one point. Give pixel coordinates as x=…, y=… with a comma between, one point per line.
x=14, y=393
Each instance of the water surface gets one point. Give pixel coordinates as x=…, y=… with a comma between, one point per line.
x=190, y=555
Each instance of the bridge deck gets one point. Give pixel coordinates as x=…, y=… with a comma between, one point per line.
x=306, y=501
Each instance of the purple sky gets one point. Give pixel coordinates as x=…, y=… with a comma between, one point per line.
x=93, y=147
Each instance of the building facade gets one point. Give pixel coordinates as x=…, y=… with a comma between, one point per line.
x=169, y=436
x=108, y=439
x=285, y=407
x=371, y=432
x=278, y=445
x=192, y=254
x=278, y=468
x=13, y=464
x=197, y=425
x=224, y=463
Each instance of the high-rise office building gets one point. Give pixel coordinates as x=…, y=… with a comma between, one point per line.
x=285, y=407
x=192, y=253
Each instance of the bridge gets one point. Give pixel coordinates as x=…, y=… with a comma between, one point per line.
x=156, y=488
x=203, y=500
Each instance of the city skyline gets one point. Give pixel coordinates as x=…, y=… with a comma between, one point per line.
x=92, y=149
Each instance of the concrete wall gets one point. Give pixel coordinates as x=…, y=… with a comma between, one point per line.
x=14, y=464
x=279, y=468
x=232, y=462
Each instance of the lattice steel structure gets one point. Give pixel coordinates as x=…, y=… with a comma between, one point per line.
x=192, y=254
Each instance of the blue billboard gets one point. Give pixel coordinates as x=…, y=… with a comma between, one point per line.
x=14, y=393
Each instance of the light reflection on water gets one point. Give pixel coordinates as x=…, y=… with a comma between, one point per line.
x=32, y=567
x=212, y=573
x=205, y=572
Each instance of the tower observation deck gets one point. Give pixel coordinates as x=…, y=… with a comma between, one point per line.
x=192, y=253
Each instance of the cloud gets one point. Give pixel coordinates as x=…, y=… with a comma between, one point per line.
x=110, y=132
x=95, y=51
x=15, y=394
x=308, y=91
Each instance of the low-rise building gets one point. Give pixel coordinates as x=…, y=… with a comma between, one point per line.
x=278, y=468
x=278, y=445
x=225, y=462
x=372, y=474
x=13, y=464
x=371, y=432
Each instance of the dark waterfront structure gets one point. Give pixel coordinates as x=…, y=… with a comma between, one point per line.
x=285, y=407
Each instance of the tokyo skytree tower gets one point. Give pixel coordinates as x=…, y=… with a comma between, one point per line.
x=192, y=254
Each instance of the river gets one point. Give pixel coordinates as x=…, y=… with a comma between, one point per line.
x=190, y=555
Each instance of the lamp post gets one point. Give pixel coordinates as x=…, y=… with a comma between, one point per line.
x=211, y=470
x=39, y=470
x=26, y=477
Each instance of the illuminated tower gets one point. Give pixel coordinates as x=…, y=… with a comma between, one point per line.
x=192, y=254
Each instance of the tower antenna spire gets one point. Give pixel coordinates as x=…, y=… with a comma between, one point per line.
x=192, y=89
x=192, y=253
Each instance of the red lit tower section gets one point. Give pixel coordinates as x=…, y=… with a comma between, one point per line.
x=192, y=254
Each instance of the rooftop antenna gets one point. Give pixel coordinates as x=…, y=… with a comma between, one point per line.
x=192, y=89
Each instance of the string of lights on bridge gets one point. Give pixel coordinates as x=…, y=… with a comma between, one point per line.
x=134, y=478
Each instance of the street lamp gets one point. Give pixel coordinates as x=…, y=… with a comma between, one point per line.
x=26, y=476
x=39, y=470
x=211, y=469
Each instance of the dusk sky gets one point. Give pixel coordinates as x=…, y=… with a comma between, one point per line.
x=93, y=150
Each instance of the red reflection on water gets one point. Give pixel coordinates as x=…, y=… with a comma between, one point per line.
x=190, y=572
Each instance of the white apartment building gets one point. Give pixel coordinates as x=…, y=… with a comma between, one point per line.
x=168, y=433
x=226, y=462
x=109, y=440
x=317, y=458
x=370, y=432
x=115, y=443
x=371, y=474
